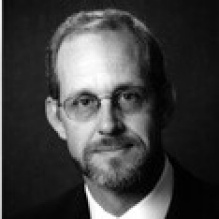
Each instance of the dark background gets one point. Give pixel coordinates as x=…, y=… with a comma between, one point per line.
x=36, y=164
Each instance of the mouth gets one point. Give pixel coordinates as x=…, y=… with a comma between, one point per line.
x=113, y=148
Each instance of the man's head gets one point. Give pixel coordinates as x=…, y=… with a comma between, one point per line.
x=109, y=97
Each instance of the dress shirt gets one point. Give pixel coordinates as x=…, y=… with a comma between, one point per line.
x=154, y=206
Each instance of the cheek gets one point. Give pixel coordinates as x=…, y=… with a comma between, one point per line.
x=141, y=125
x=78, y=135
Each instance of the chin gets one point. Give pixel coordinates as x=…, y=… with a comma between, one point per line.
x=119, y=174
x=128, y=170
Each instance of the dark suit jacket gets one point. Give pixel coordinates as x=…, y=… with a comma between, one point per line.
x=191, y=199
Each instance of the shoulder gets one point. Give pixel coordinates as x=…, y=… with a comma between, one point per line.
x=72, y=204
x=193, y=197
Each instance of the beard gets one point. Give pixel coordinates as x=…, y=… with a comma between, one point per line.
x=135, y=165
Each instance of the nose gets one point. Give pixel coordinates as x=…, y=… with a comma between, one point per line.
x=110, y=123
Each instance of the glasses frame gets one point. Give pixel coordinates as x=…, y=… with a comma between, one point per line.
x=144, y=92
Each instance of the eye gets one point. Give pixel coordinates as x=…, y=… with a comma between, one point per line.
x=130, y=100
x=84, y=101
x=82, y=107
x=130, y=96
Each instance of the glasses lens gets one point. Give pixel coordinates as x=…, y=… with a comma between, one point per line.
x=131, y=100
x=86, y=105
x=82, y=107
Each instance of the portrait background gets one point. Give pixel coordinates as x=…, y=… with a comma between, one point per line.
x=36, y=164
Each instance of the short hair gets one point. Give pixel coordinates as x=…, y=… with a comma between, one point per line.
x=150, y=54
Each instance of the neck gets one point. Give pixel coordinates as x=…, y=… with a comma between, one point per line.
x=117, y=203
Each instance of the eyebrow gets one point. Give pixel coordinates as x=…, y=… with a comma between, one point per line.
x=87, y=91
x=128, y=86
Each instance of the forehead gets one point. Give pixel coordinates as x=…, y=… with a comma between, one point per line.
x=98, y=61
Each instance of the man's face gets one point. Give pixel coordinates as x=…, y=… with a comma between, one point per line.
x=111, y=145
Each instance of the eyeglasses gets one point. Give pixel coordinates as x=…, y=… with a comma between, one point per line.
x=86, y=105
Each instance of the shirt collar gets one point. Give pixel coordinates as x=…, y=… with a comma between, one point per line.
x=154, y=206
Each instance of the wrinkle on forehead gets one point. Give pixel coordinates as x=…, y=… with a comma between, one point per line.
x=107, y=56
x=101, y=41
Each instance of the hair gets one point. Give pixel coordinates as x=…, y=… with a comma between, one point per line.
x=151, y=57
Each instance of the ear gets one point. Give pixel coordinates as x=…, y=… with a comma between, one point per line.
x=168, y=105
x=53, y=116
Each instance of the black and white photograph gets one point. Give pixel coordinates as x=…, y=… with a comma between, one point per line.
x=110, y=109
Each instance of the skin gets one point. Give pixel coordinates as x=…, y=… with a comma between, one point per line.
x=101, y=63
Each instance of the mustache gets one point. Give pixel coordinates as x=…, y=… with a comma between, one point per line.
x=113, y=143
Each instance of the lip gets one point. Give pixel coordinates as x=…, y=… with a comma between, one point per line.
x=113, y=148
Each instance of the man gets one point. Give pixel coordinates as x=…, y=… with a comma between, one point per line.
x=110, y=99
